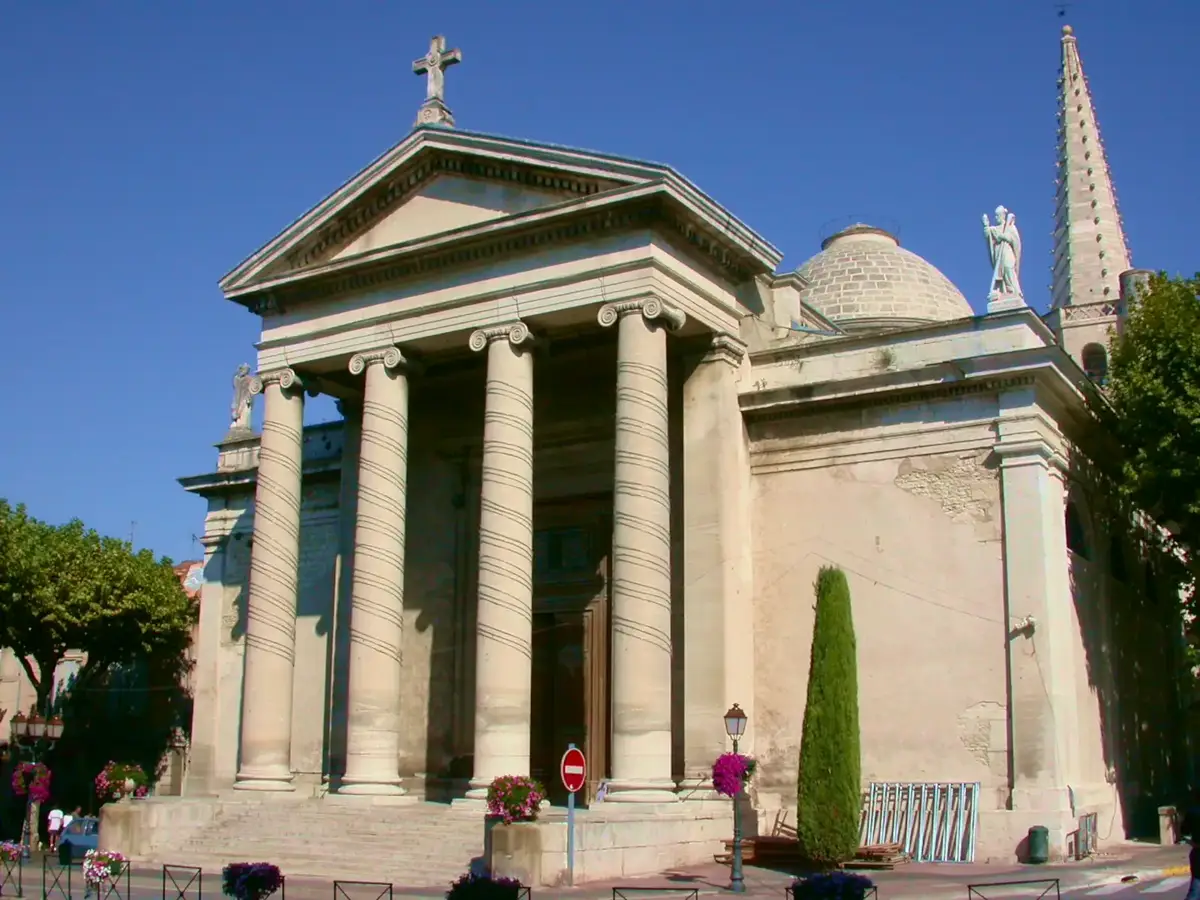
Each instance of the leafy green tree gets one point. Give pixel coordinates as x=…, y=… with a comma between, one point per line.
x=1154, y=390
x=66, y=588
x=829, y=793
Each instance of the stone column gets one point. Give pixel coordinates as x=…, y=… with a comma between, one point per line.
x=202, y=771
x=718, y=646
x=1039, y=628
x=266, y=741
x=377, y=602
x=504, y=625
x=641, y=555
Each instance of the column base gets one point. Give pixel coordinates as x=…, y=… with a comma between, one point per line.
x=470, y=802
x=650, y=791
x=371, y=789
x=276, y=779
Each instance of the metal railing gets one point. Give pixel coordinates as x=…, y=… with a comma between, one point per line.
x=182, y=883
x=362, y=890
x=11, y=880
x=1039, y=889
x=64, y=882
x=639, y=893
x=871, y=893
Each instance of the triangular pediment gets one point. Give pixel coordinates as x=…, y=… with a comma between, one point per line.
x=436, y=181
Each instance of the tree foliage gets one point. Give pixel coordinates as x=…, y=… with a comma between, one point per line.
x=66, y=588
x=829, y=790
x=1154, y=389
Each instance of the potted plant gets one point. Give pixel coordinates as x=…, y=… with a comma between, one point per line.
x=250, y=881
x=515, y=798
x=120, y=780
x=10, y=851
x=473, y=886
x=832, y=886
x=100, y=866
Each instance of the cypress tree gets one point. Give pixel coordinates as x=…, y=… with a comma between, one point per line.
x=829, y=790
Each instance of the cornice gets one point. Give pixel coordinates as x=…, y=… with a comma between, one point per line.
x=652, y=309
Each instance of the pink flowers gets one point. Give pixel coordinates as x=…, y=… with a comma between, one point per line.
x=114, y=780
x=33, y=779
x=730, y=772
x=515, y=798
x=10, y=851
x=103, y=865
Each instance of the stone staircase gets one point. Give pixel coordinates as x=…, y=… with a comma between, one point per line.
x=414, y=844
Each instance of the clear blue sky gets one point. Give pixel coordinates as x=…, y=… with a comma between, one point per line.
x=149, y=147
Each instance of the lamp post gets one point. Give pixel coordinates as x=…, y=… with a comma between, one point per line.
x=32, y=735
x=735, y=727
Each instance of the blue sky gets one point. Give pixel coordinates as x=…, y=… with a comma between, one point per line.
x=151, y=146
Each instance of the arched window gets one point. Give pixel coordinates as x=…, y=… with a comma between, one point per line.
x=1095, y=363
x=1076, y=535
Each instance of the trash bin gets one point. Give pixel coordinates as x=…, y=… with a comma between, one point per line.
x=64, y=853
x=1039, y=844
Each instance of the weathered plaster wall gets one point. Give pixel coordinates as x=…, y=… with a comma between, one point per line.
x=906, y=501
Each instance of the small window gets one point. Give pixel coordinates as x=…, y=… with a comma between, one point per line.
x=1076, y=536
x=1095, y=363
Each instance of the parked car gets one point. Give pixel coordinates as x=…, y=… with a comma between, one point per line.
x=80, y=836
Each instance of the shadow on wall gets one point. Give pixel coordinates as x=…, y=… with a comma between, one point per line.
x=1131, y=637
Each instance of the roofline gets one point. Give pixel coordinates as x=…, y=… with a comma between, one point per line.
x=582, y=162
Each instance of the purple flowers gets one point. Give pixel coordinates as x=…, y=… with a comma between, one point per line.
x=730, y=772
x=250, y=881
x=515, y=798
x=32, y=779
x=833, y=886
x=484, y=887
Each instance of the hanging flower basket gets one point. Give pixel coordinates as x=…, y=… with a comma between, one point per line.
x=32, y=779
x=731, y=771
x=251, y=881
x=515, y=798
x=100, y=866
x=10, y=851
x=119, y=780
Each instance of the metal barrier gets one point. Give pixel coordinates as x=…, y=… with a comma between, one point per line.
x=362, y=890
x=185, y=882
x=871, y=893
x=10, y=877
x=115, y=889
x=1087, y=836
x=632, y=893
x=56, y=880
x=1049, y=888
x=933, y=822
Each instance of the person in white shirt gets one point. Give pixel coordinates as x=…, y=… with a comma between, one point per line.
x=55, y=826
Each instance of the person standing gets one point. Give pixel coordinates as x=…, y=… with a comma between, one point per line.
x=1189, y=833
x=54, y=825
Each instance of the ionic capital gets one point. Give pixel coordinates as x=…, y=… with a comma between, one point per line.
x=388, y=357
x=516, y=333
x=725, y=348
x=286, y=378
x=652, y=309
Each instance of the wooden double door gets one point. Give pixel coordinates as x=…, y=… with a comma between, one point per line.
x=571, y=640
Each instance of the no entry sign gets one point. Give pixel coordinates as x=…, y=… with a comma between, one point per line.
x=573, y=770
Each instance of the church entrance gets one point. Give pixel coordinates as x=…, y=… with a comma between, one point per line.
x=570, y=640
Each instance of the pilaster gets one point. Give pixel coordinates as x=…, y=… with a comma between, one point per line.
x=641, y=555
x=718, y=646
x=202, y=775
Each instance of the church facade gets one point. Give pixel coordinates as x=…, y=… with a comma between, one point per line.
x=595, y=449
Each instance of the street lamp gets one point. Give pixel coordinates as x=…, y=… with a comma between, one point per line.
x=34, y=734
x=735, y=727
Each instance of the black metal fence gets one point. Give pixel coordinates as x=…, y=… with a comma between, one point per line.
x=362, y=890
x=66, y=882
x=11, y=880
x=182, y=883
x=1039, y=889
x=639, y=893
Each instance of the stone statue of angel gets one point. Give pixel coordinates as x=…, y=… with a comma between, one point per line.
x=1004, y=249
x=243, y=400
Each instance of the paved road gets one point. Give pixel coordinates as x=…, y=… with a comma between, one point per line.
x=1159, y=889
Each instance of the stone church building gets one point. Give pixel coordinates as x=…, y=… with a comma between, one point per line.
x=595, y=448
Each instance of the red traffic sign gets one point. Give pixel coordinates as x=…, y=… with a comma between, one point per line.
x=573, y=770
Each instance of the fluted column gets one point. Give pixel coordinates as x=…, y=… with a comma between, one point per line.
x=504, y=626
x=641, y=555
x=377, y=594
x=270, y=647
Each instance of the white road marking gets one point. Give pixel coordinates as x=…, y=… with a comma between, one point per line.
x=1167, y=884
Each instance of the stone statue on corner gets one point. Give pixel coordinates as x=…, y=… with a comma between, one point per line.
x=1004, y=250
x=243, y=401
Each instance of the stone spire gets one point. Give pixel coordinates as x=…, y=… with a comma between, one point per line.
x=1090, y=252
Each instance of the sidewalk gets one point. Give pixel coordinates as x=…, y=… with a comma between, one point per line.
x=1123, y=862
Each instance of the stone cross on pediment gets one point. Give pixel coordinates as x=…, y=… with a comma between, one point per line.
x=433, y=66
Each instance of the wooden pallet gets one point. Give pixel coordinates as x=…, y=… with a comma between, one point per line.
x=878, y=857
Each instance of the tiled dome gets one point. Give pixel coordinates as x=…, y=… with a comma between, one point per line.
x=864, y=280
